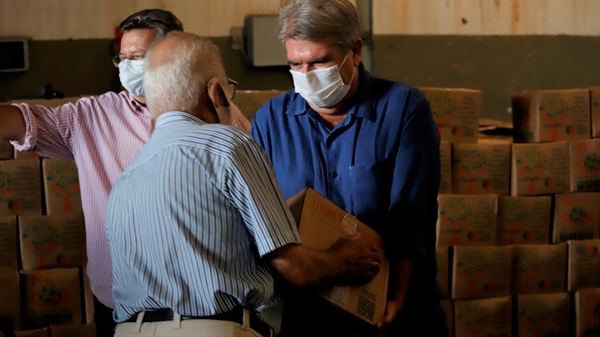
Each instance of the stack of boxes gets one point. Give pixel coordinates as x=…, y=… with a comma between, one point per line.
x=42, y=247
x=518, y=223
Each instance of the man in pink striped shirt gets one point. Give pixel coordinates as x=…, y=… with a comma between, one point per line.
x=102, y=135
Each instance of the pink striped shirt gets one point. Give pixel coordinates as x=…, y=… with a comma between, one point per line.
x=102, y=135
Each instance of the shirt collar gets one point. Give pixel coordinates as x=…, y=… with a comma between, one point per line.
x=363, y=100
x=173, y=116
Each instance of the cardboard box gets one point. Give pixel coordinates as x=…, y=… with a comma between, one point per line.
x=539, y=269
x=31, y=333
x=20, y=187
x=61, y=186
x=540, y=168
x=583, y=264
x=6, y=150
x=320, y=224
x=443, y=260
x=587, y=316
x=488, y=317
x=80, y=330
x=49, y=241
x=481, y=168
x=445, y=168
x=249, y=101
x=551, y=115
x=10, y=310
x=543, y=315
x=481, y=272
x=8, y=244
x=25, y=154
x=585, y=165
x=448, y=306
x=595, y=110
x=51, y=296
x=88, y=298
x=467, y=220
x=576, y=216
x=523, y=220
x=456, y=113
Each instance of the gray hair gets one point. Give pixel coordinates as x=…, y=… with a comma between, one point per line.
x=161, y=21
x=177, y=80
x=316, y=20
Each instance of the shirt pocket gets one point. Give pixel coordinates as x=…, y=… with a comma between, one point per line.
x=370, y=187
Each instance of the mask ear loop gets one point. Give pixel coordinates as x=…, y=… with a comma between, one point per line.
x=353, y=70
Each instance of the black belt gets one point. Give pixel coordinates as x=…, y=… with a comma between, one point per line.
x=236, y=315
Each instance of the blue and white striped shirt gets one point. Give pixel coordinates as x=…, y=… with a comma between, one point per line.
x=189, y=220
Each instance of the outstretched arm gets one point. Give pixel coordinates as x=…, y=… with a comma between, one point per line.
x=13, y=124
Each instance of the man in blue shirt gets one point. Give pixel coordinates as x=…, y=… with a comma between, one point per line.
x=197, y=226
x=368, y=144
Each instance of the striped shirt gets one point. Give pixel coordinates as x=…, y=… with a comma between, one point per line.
x=102, y=135
x=189, y=220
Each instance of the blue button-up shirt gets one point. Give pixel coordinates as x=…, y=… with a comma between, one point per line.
x=380, y=163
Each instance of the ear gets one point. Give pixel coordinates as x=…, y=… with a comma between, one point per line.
x=217, y=94
x=356, y=50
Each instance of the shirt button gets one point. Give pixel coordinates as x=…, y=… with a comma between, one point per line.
x=334, y=175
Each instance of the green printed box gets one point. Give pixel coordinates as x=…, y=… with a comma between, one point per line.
x=456, y=113
x=585, y=165
x=539, y=269
x=481, y=272
x=595, y=111
x=49, y=241
x=543, y=315
x=487, y=317
x=576, y=216
x=8, y=244
x=20, y=187
x=466, y=220
x=587, y=312
x=523, y=220
x=540, y=168
x=10, y=309
x=249, y=101
x=482, y=168
x=51, y=296
x=583, y=266
x=61, y=186
x=6, y=150
x=445, y=168
x=443, y=275
x=551, y=115
x=79, y=330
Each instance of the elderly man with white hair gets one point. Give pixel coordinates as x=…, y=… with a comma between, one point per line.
x=197, y=226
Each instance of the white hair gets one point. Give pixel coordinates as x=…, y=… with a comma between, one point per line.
x=176, y=80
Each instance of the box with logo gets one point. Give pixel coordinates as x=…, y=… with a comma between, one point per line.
x=486, y=317
x=576, y=216
x=543, y=315
x=49, y=241
x=6, y=150
x=585, y=165
x=51, y=296
x=320, y=224
x=481, y=272
x=551, y=115
x=523, y=220
x=20, y=187
x=583, y=266
x=540, y=168
x=482, y=168
x=72, y=330
x=445, y=168
x=539, y=269
x=467, y=220
x=595, y=111
x=456, y=112
x=448, y=306
x=443, y=259
x=249, y=101
x=25, y=155
x=8, y=244
x=587, y=312
x=10, y=309
x=61, y=186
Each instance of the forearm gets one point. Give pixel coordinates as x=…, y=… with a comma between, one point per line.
x=401, y=274
x=13, y=124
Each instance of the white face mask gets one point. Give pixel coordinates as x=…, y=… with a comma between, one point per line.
x=322, y=87
x=131, y=74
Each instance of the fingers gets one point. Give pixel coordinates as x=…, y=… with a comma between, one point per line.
x=391, y=309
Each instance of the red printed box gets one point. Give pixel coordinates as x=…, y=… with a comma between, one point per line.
x=466, y=220
x=539, y=269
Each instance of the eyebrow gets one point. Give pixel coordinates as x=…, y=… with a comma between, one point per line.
x=317, y=60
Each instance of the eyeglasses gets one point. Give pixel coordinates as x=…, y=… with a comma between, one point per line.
x=116, y=60
x=232, y=87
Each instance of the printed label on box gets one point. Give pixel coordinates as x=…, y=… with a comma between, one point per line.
x=585, y=165
x=523, y=220
x=8, y=244
x=539, y=269
x=20, y=187
x=61, y=184
x=583, y=264
x=488, y=317
x=540, y=168
x=446, y=168
x=456, y=113
x=466, y=220
x=481, y=272
x=576, y=216
x=543, y=315
x=481, y=168
x=587, y=312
